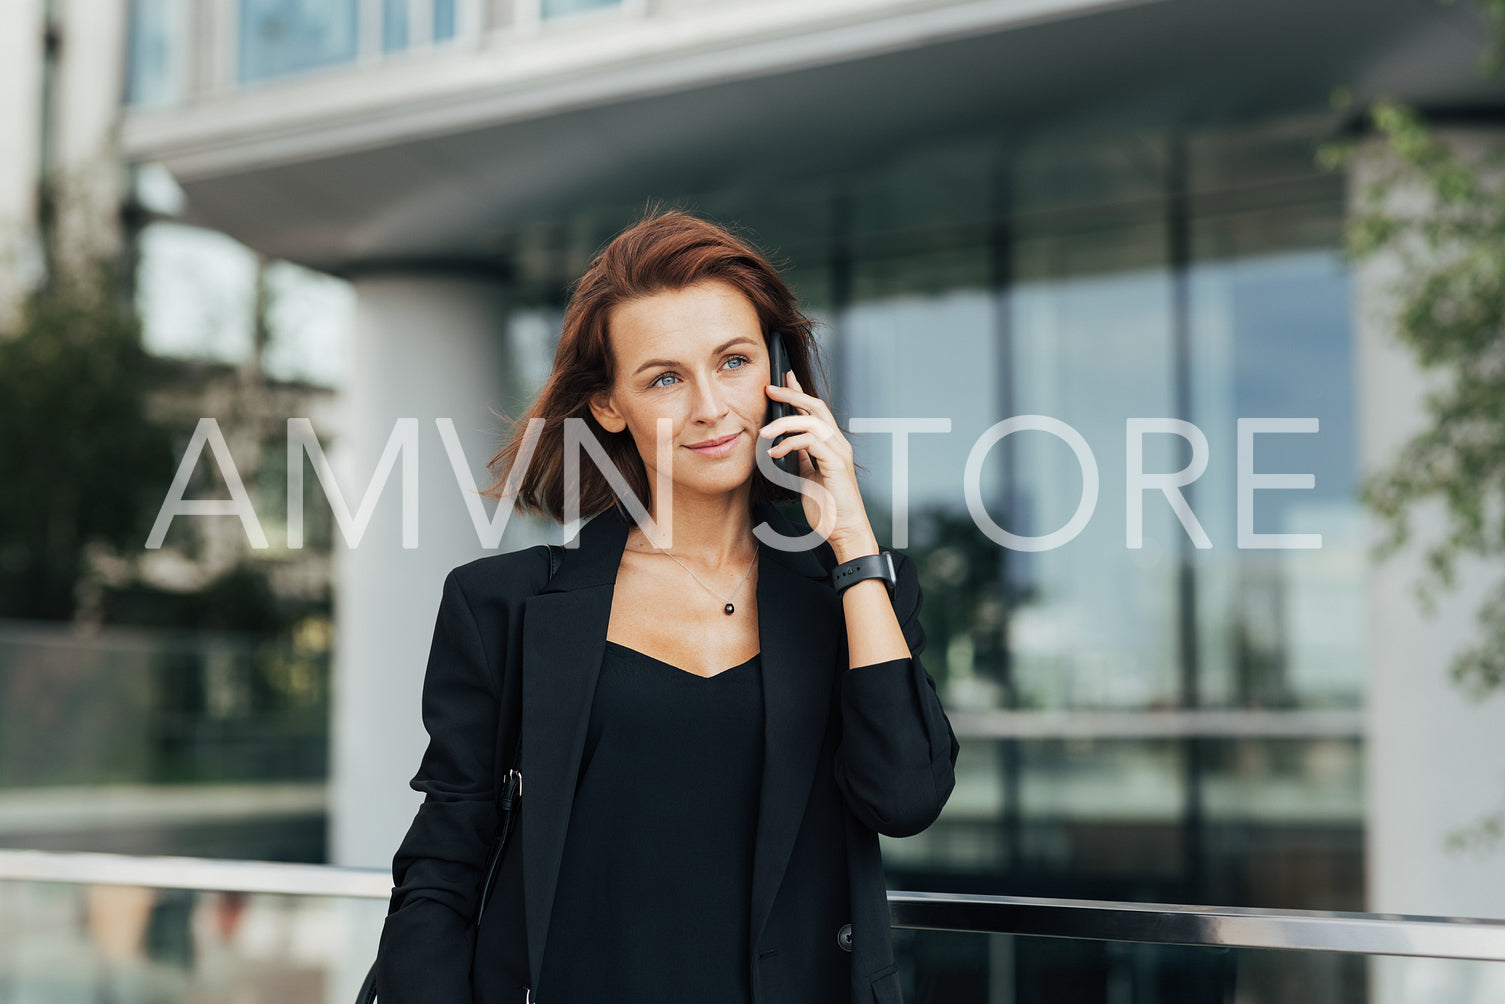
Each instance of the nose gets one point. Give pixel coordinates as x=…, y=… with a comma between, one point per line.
x=710, y=402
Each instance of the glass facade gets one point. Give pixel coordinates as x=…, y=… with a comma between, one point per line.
x=394, y=25
x=154, y=53
x=281, y=37
x=444, y=20
x=943, y=966
x=140, y=740
x=71, y=944
x=62, y=943
x=563, y=8
x=1194, y=277
x=394, y=14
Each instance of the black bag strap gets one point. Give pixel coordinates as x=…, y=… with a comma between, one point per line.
x=512, y=783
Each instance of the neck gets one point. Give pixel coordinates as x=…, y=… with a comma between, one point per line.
x=714, y=529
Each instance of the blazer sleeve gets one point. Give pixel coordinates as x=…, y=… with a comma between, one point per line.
x=427, y=940
x=895, y=765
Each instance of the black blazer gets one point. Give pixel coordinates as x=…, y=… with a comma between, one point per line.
x=849, y=754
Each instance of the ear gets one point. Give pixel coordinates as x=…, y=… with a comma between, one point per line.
x=605, y=412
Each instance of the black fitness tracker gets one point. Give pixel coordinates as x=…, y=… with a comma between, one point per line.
x=869, y=566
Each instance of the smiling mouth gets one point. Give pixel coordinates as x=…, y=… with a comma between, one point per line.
x=717, y=447
x=714, y=443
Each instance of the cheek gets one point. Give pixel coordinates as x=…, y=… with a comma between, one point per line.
x=644, y=420
x=755, y=403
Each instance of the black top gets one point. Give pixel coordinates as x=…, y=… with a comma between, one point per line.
x=653, y=896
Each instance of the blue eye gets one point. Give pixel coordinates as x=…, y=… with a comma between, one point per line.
x=741, y=363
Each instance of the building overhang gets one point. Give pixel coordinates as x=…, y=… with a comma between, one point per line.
x=439, y=155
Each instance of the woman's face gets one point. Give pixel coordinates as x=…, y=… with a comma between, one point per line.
x=695, y=356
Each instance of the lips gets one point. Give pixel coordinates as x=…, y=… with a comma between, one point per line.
x=716, y=448
x=714, y=442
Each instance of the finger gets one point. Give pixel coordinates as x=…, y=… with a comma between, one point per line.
x=807, y=464
x=802, y=422
x=815, y=404
x=809, y=429
x=792, y=425
x=815, y=445
x=804, y=402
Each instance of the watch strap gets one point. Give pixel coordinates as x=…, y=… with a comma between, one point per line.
x=867, y=566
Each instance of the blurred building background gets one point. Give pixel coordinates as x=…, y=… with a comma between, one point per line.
x=362, y=211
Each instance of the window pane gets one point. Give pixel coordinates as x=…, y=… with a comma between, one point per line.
x=1278, y=628
x=75, y=943
x=559, y=8
x=394, y=25
x=444, y=20
x=1095, y=626
x=952, y=966
x=155, y=53
x=279, y=37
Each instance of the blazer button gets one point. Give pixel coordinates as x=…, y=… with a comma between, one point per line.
x=844, y=937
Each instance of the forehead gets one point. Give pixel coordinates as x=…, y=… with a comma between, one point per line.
x=703, y=315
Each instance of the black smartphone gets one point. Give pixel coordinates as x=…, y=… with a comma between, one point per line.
x=778, y=370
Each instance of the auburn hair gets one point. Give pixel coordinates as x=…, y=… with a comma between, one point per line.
x=664, y=251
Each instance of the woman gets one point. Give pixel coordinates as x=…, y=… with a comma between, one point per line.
x=713, y=733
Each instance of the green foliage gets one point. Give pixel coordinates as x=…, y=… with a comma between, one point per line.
x=1442, y=216
x=81, y=461
x=1494, y=54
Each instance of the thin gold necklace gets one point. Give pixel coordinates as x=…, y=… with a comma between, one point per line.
x=730, y=608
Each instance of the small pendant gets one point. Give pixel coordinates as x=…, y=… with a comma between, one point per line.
x=729, y=609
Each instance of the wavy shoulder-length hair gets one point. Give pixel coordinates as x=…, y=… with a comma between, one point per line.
x=664, y=251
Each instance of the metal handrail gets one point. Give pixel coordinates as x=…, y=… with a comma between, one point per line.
x=1178, y=723
x=203, y=874
x=1093, y=920
x=1207, y=926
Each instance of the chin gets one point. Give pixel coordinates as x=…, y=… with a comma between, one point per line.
x=717, y=486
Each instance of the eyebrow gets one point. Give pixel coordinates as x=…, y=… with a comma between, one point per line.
x=716, y=351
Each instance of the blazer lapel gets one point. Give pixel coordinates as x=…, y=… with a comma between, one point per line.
x=799, y=626
x=564, y=639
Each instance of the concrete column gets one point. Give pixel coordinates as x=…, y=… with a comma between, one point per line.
x=1435, y=759
x=20, y=117
x=90, y=85
x=424, y=347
